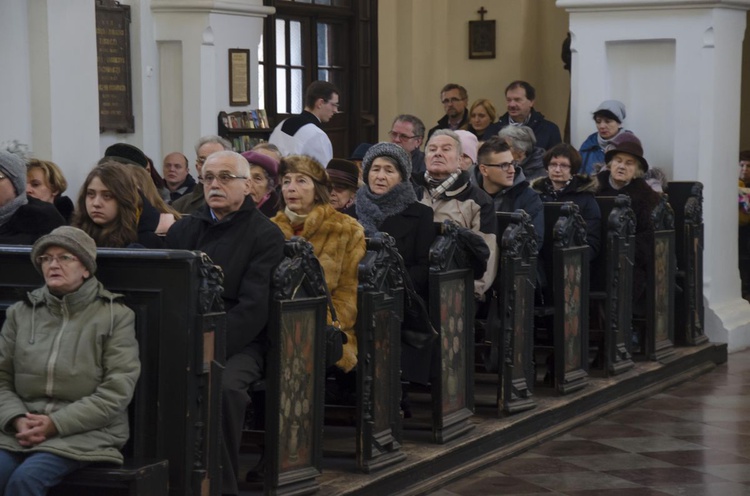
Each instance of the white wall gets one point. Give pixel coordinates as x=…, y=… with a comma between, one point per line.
x=15, y=95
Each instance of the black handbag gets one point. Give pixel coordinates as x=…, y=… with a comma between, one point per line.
x=416, y=328
x=335, y=337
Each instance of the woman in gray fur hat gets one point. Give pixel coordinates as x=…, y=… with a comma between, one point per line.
x=387, y=203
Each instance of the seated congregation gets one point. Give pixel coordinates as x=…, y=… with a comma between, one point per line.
x=337, y=287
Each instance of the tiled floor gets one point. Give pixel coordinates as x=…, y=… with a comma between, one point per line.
x=692, y=440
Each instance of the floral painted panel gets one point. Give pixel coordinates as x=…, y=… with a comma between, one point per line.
x=661, y=287
x=453, y=335
x=382, y=379
x=297, y=342
x=572, y=323
x=519, y=332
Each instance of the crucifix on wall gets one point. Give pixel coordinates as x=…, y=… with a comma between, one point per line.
x=482, y=37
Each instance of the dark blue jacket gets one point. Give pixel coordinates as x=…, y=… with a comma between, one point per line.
x=547, y=133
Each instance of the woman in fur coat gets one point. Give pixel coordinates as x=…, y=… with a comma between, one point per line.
x=337, y=239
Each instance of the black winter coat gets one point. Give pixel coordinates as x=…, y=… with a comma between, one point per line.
x=580, y=190
x=414, y=233
x=30, y=222
x=547, y=133
x=643, y=200
x=248, y=247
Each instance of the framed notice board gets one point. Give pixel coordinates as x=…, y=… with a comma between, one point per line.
x=113, y=63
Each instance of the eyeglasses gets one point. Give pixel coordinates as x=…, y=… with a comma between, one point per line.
x=335, y=104
x=223, y=177
x=447, y=101
x=504, y=166
x=559, y=166
x=401, y=137
x=2, y=176
x=64, y=259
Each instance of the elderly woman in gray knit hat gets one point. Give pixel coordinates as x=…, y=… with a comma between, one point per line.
x=22, y=219
x=68, y=368
x=387, y=203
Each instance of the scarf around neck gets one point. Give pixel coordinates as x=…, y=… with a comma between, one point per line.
x=294, y=219
x=373, y=209
x=438, y=188
x=9, y=209
x=603, y=144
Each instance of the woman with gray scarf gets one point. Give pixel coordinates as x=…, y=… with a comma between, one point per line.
x=387, y=203
x=23, y=219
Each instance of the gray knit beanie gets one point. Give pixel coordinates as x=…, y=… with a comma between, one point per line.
x=391, y=150
x=612, y=109
x=13, y=167
x=74, y=240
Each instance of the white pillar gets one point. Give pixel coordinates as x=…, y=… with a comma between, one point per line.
x=193, y=39
x=676, y=64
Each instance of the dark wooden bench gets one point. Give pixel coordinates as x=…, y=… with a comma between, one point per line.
x=566, y=265
x=612, y=285
x=451, y=283
x=293, y=389
x=379, y=314
x=686, y=198
x=174, y=415
x=660, y=285
x=511, y=340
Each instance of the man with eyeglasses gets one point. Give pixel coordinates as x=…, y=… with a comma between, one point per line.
x=407, y=131
x=193, y=201
x=302, y=134
x=247, y=246
x=500, y=176
x=454, y=99
x=519, y=98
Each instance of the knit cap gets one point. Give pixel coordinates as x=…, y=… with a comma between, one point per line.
x=391, y=150
x=72, y=239
x=613, y=109
x=14, y=168
x=469, y=144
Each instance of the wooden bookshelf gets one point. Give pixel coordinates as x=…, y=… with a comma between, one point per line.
x=244, y=129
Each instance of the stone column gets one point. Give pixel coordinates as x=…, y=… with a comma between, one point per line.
x=677, y=67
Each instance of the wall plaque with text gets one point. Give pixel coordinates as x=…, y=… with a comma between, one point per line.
x=113, y=62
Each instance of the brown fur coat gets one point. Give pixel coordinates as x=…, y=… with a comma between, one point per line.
x=339, y=243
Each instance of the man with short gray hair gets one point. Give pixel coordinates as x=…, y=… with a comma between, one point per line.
x=247, y=246
x=189, y=203
x=447, y=189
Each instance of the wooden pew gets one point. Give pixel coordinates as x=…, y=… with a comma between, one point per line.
x=566, y=260
x=451, y=304
x=686, y=198
x=660, y=285
x=295, y=374
x=175, y=412
x=379, y=315
x=612, y=283
x=512, y=343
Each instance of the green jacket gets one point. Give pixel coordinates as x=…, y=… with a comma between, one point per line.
x=75, y=359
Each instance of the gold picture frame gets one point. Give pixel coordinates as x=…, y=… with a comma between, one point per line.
x=239, y=77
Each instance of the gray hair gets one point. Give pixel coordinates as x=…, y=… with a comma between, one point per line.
x=451, y=134
x=521, y=137
x=415, y=121
x=212, y=138
x=243, y=166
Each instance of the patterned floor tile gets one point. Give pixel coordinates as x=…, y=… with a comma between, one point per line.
x=656, y=477
x=699, y=458
x=573, y=481
x=573, y=448
x=730, y=472
x=651, y=443
x=618, y=461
